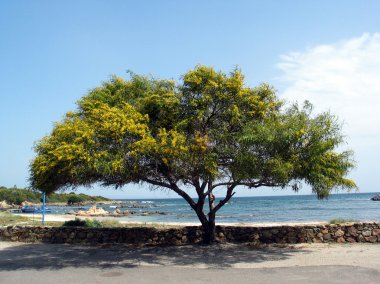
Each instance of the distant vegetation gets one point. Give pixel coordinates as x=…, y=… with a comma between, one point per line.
x=17, y=196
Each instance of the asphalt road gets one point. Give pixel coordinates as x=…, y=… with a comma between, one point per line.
x=53, y=263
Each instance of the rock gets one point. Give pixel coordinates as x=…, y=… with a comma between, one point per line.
x=352, y=231
x=188, y=235
x=372, y=239
x=292, y=240
x=116, y=212
x=361, y=239
x=376, y=198
x=324, y=231
x=339, y=233
x=340, y=240
x=267, y=234
x=93, y=211
x=351, y=240
x=184, y=239
x=5, y=205
x=327, y=237
x=367, y=233
x=27, y=203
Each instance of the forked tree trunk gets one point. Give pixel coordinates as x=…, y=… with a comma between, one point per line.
x=209, y=236
x=208, y=226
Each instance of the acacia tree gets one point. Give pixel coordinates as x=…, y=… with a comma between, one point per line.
x=208, y=132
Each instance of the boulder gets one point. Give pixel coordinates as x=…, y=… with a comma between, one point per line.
x=376, y=198
x=117, y=211
x=120, y=213
x=4, y=205
x=27, y=203
x=93, y=211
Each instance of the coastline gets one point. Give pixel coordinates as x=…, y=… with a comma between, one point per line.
x=248, y=212
x=67, y=217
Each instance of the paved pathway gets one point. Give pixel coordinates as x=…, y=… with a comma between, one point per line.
x=317, y=263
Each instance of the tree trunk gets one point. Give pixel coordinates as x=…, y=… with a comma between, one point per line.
x=208, y=226
x=209, y=236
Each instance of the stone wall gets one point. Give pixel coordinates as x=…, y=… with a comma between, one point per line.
x=351, y=233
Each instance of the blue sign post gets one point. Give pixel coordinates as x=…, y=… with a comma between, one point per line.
x=43, y=207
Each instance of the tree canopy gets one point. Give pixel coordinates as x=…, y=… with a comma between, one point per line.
x=208, y=131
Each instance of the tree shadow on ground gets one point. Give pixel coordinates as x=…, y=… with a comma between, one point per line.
x=59, y=256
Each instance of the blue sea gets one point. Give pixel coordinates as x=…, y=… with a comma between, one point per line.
x=293, y=208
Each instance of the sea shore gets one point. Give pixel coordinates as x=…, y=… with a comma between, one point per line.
x=68, y=217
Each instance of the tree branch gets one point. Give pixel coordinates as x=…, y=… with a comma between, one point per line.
x=196, y=184
x=203, y=186
x=173, y=186
x=229, y=194
x=222, y=184
x=158, y=183
x=248, y=184
x=211, y=197
x=258, y=184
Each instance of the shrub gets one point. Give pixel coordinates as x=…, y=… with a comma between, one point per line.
x=341, y=221
x=75, y=223
x=93, y=223
x=88, y=223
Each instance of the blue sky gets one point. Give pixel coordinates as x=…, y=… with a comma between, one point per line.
x=53, y=52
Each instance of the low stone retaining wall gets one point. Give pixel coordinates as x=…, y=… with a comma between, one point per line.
x=357, y=232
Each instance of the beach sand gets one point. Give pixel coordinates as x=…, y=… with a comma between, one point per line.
x=67, y=217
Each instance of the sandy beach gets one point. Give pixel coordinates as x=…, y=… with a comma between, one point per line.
x=67, y=217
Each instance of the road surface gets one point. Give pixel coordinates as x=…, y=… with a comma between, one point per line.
x=228, y=263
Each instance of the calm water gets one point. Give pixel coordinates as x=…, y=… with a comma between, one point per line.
x=357, y=206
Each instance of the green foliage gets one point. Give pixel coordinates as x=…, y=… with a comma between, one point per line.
x=341, y=221
x=74, y=223
x=88, y=223
x=207, y=131
x=17, y=196
x=93, y=223
x=75, y=199
x=211, y=126
x=294, y=146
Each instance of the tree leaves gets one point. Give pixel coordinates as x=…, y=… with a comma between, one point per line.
x=210, y=127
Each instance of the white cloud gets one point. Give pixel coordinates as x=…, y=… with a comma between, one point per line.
x=343, y=77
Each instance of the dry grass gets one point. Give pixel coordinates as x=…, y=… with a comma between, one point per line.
x=7, y=219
